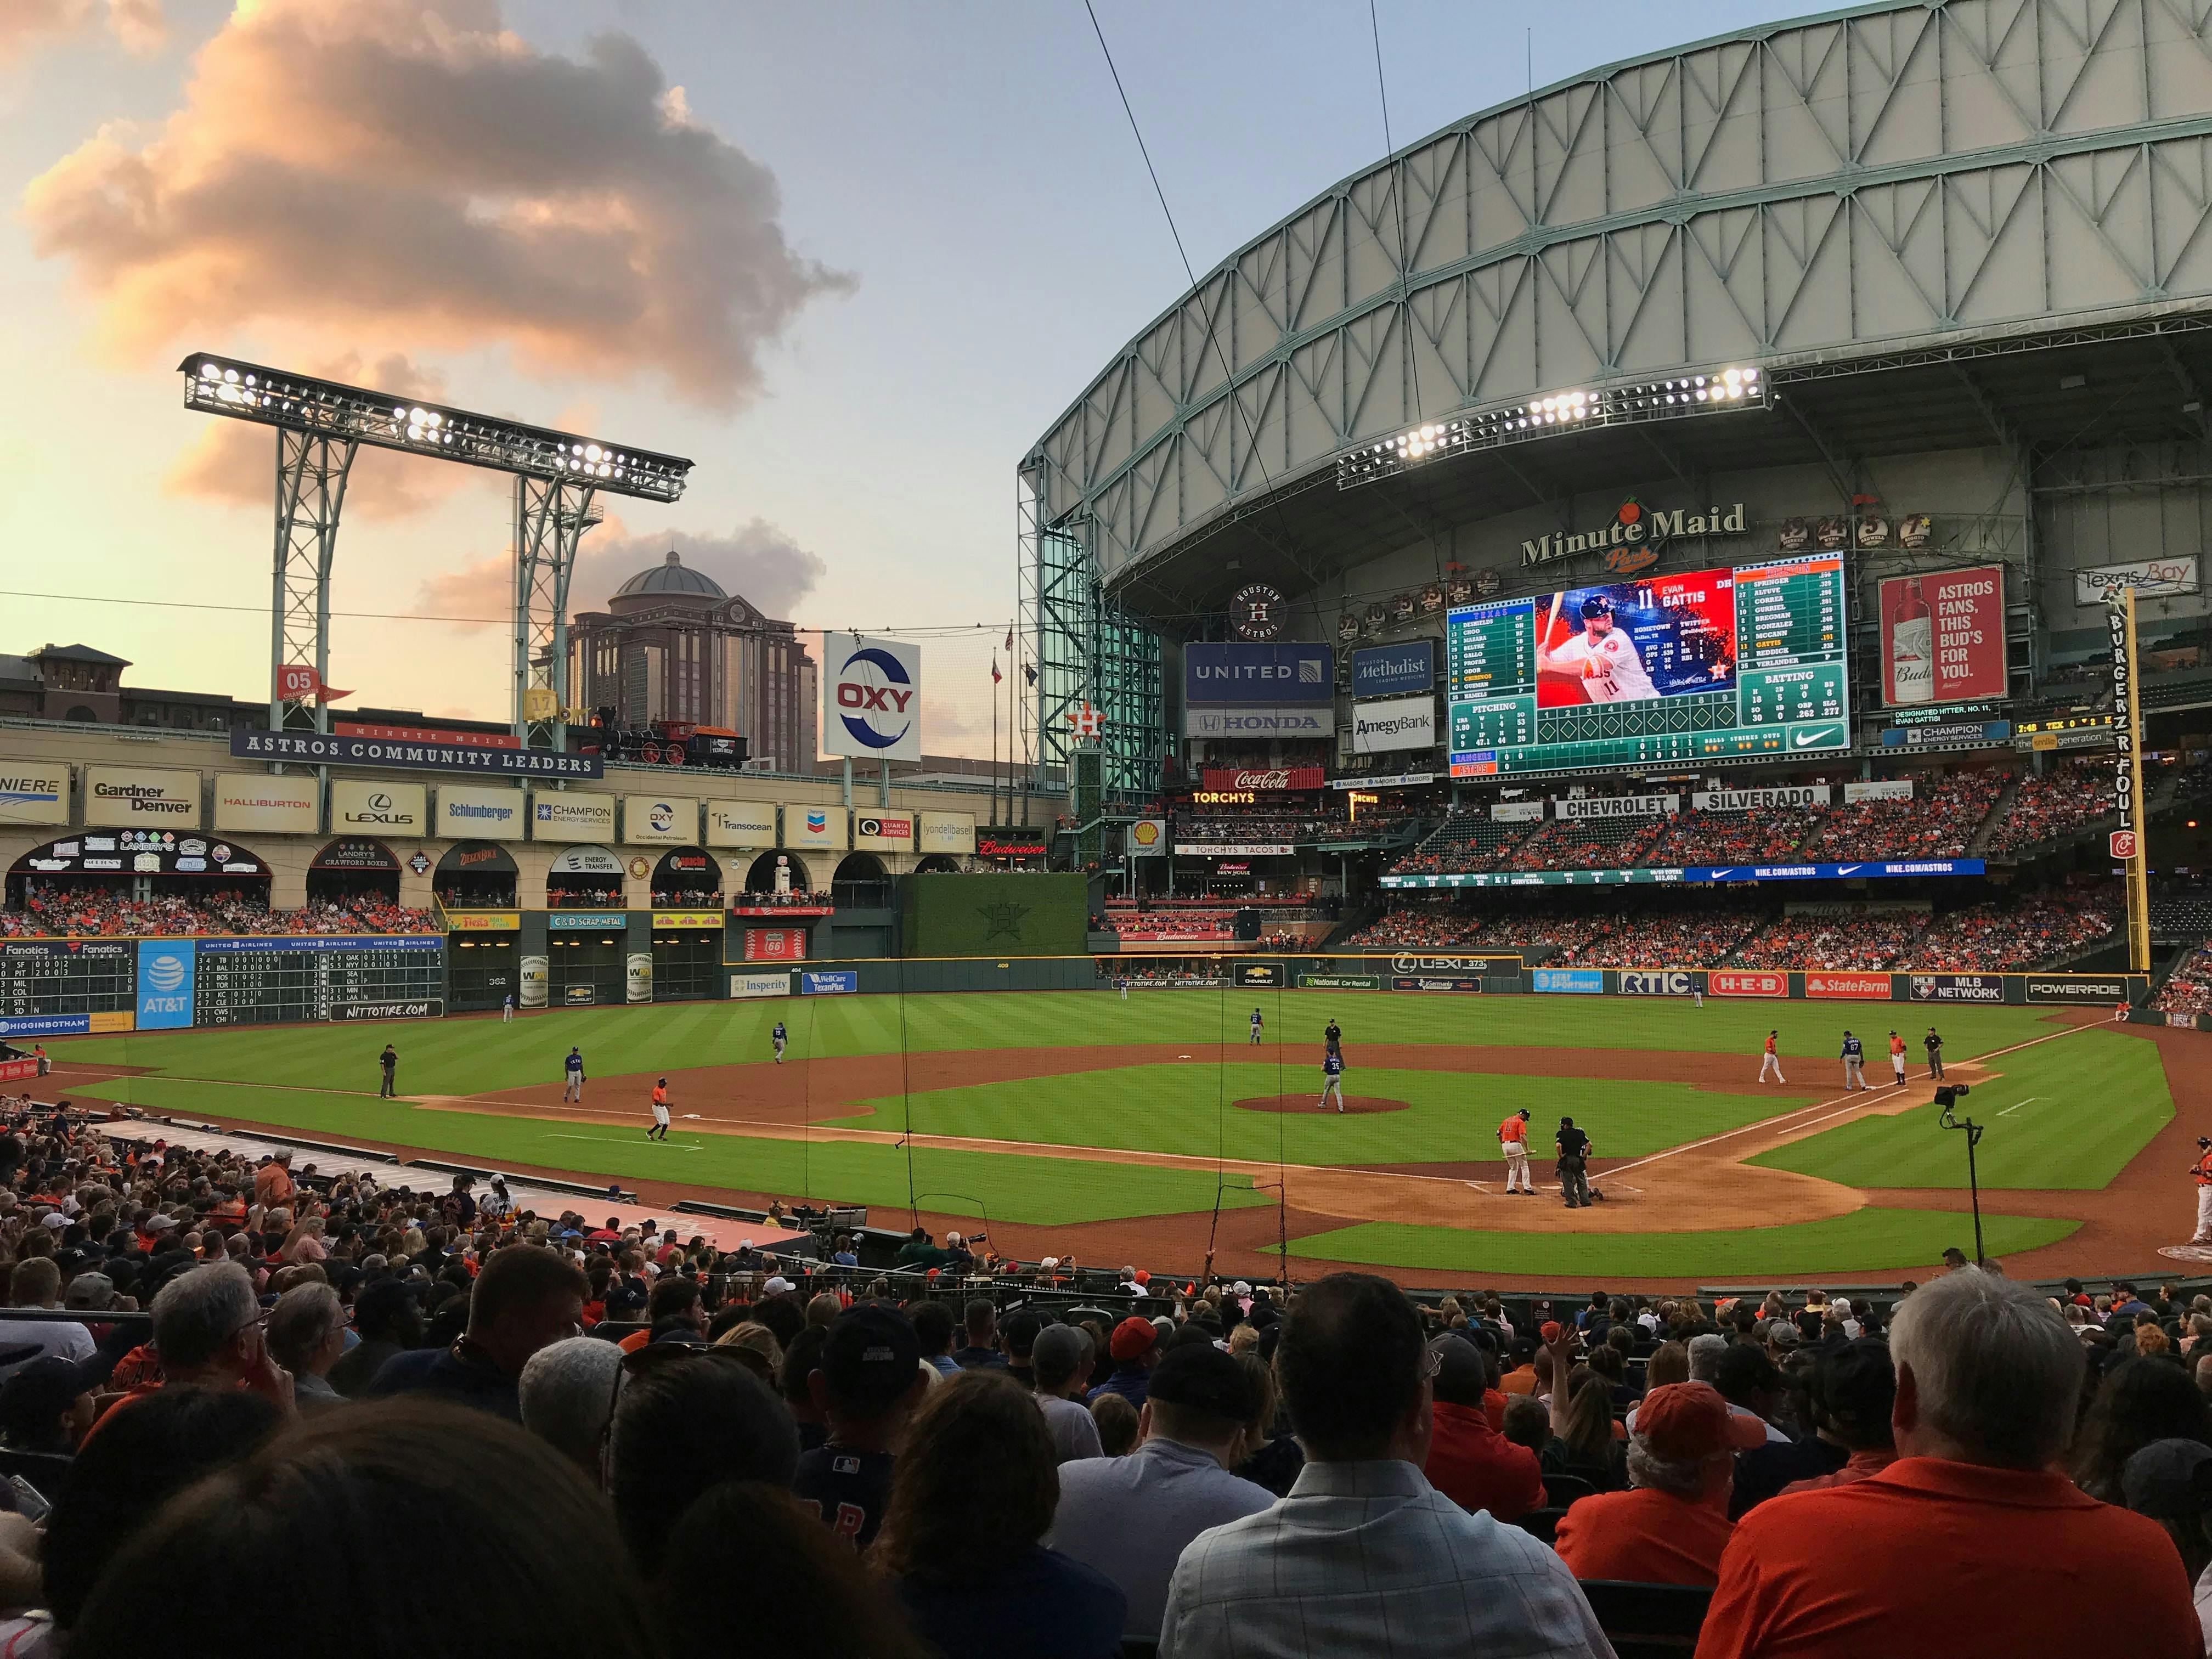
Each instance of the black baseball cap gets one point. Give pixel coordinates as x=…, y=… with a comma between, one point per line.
x=870, y=1359
x=2168, y=1479
x=1597, y=606
x=1201, y=1377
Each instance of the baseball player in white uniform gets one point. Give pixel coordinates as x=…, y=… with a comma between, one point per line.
x=1604, y=658
x=1513, y=1141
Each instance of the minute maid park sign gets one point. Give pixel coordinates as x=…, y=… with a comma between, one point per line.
x=1635, y=529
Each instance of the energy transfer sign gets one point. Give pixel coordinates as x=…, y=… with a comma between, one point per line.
x=870, y=698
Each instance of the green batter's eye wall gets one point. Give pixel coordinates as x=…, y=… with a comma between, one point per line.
x=1006, y=915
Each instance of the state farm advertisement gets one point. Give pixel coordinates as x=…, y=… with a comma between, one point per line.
x=1738, y=982
x=1848, y=987
x=1943, y=636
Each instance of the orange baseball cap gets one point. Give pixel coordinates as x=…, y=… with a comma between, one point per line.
x=1132, y=1338
x=1683, y=1422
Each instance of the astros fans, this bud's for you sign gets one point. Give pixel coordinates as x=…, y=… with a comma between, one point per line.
x=871, y=697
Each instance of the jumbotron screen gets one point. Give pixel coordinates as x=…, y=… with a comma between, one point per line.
x=1699, y=666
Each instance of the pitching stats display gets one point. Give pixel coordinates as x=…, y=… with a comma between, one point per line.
x=252, y=981
x=1703, y=665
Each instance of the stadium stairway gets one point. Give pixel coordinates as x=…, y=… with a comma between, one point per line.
x=1993, y=816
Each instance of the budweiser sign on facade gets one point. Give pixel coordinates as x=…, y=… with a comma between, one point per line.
x=1280, y=777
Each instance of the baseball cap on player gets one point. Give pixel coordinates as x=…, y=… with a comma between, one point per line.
x=1596, y=605
x=1682, y=1422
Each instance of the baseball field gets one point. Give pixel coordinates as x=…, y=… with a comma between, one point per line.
x=1150, y=1127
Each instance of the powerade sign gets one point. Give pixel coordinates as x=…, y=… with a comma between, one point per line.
x=165, y=984
x=1578, y=982
x=1957, y=988
x=840, y=983
x=2077, y=990
x=1395, y=670
x=1240, y=675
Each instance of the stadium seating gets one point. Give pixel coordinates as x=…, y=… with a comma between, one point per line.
x=2188, y=990
x=2069, y=798
x=88, y=913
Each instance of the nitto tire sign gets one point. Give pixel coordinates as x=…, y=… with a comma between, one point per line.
x=1734, y=982
x=1671, y=983
x=419, y=1008
x=1421, y=982
x=2075, y=990
x=1958, y=987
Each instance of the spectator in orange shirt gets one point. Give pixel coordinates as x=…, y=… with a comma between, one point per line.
x=1853, y=1391
x=676, y=1314
x=1971, y=1544
x=1671, y=1527
x=1470, y=1461
x=272, y=1181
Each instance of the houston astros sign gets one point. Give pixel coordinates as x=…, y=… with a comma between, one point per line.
x=871, y=697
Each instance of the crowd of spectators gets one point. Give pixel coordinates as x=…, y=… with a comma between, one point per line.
x=2188, y=990
x=1836, y=940
x=1585, y=844
x=1692, y=935
x=87, y=912
x=608, y=897
x=2066, y=800
x=1780, y=835
x=2025, y=933
x=1941, y=820
x=336, y=1371
x=773, y=900
x=686, y=898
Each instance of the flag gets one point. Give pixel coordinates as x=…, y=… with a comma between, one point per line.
x=995, y=675
x=1010, y=640
x=1028, y=673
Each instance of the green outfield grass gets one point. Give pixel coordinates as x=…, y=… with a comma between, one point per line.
x=1865, y=1241
x=1452, y=1116
x=2069, y=1114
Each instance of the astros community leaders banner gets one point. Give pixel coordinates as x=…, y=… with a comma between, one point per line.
x=870, y=698
x=331, y=749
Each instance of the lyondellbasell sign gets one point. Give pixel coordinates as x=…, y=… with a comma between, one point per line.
x=1635, y=526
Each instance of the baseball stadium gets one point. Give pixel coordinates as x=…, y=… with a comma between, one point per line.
x=1621, y=699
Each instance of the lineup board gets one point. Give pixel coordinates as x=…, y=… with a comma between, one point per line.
x=53, y=978
x=1699, y=666
x=251, y=982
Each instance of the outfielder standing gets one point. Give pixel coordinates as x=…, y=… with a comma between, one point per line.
x=1332, y=1078
x=2201, y=1171
x=1513, y=1141
x=779, y=1037
x=573, y=1066
x=659, y=1129
x=1854, y=1063
x=1255, y=1028
x=1771, y=1061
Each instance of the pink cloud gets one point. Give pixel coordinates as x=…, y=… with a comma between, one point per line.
x=410, y=170
x=137, y=26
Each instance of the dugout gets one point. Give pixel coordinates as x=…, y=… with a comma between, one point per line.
x=587, y=961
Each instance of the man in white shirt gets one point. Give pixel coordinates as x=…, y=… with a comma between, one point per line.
x=1131, y=1517
x=1364, y=1556
x=1603, y=657
x=37, y=1283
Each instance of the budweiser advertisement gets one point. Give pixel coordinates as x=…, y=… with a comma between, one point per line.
x=1738, y=982
x=1943, y=636
x=1271, y=778
x=1848, y=987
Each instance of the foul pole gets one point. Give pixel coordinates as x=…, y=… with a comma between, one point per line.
x=2131, y=843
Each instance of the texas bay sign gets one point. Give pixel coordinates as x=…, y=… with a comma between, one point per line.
x=1632, y=541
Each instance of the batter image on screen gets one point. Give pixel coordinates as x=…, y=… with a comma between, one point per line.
x=1630, y=642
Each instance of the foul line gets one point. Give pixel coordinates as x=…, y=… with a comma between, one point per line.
x=2017, y=1104
x=610, y=1141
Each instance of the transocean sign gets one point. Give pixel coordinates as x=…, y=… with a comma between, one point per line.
x=1636, y=530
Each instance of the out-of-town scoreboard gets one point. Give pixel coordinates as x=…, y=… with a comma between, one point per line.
x=67, y=988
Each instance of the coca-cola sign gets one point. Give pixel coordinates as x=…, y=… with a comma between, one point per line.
x=1274, y=778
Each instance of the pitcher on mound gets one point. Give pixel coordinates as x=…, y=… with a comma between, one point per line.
x=1332, y=1080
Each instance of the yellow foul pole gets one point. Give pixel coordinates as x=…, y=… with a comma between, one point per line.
x=2131, y=841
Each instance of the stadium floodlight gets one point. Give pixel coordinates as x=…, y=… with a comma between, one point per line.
x=1740, y=387
x=303, y=403
x=321, y=425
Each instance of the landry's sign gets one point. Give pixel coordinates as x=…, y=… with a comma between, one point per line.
x=1218, y=779
x=1633, y=539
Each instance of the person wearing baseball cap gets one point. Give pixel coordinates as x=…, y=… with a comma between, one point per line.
x=1672, y=1526
x=1470, y=1461
x=1134, y=1346
x=1131, y=1517
x=868, y=1384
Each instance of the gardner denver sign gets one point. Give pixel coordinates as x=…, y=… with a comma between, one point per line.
x=1636, y=526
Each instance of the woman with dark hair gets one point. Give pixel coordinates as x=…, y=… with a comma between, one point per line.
x=976, y=1487
x=824, y=1600
x=318, y=1538
x=2140, y=1400
x=687, y=1420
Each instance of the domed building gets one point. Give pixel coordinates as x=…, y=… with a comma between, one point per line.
x=672, y=646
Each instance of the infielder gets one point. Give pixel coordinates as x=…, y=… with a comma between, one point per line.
x=573, y=1066
x=1854, y=1063
x=779, y=1037
x=1332, y=1080
x=1255, y=1028
x=2201, y=1172
x=659, y=1129
x=1897, y=1057
x=1771, y=1061
x=1513, y=1141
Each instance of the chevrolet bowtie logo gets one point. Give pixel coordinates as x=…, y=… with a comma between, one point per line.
x=1002, y=919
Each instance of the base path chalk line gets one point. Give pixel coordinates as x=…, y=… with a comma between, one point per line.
x=610, y=1141
x=2017, y=1104
x=1748, y=1129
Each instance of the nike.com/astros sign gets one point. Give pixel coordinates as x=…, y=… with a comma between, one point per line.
x=871, y=697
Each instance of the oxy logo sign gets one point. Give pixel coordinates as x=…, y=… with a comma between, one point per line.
x=165, y=984
x=871, y=697
x=1663, y=984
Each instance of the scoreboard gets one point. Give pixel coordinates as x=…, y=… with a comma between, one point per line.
x=1701, y=665
x=252, y=981
x=54, y=987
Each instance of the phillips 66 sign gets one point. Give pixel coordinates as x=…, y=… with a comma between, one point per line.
x=871, y=697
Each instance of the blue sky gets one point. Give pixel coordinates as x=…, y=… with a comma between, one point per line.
x=968, y=169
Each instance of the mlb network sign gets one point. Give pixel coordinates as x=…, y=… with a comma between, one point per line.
x=871, y=697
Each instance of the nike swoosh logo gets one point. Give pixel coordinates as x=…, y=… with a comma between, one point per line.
x=1846, y=869
x=1824, y=734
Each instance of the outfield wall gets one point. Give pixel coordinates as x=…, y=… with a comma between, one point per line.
x=996, y=914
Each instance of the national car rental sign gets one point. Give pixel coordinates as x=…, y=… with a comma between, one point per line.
x=871, y=697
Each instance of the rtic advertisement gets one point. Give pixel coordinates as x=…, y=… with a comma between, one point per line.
x=1848, y=987
x=1958, y=987
x=1665, y=983
x=1738, y=982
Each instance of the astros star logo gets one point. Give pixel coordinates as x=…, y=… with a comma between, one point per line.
x=1002, y=919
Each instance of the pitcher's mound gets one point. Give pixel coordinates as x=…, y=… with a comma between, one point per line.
x=1308, y=1103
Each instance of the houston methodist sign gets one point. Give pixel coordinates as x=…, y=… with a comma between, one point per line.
x=870, y=698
